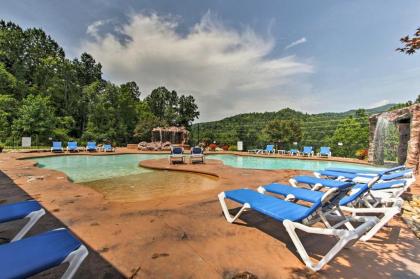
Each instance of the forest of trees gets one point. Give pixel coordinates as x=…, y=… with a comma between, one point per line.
x=286, y=127
x=346, y=133
x=47, y=96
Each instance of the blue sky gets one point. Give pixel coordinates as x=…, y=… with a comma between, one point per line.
x=243, y=56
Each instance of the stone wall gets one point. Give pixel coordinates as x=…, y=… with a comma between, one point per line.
x=408, y=122
x=413, y=154
x=404, y=131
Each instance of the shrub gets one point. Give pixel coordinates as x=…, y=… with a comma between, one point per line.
x=361, y=154
x=212, y=147
x=225, y=147
x=233, y=148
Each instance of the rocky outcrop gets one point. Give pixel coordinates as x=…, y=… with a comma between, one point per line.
x=413, y=152
x=411, y=214
x=175, y=135
x=408, y=123
x=154, y=146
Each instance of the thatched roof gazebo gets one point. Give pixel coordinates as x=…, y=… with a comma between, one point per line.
x=175, y=135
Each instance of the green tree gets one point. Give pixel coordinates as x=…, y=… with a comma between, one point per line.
x=8, y=82
x=87, y=69
x=171, y=109
x=187, y=111
x=285, y=131
x=352, y=135
x=35, y=117
x=146, y=122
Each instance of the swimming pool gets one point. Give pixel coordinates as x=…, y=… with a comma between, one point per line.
x=280, y=163
x=120, y=179
x=82, y=168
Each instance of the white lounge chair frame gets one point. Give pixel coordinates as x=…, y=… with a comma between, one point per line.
x=346, y=237
x=197, y=157
x=177, y=156
x=74, y=259
x=324, y=155
x=389, y=207
x=33, y=218
x=394, y=192
x=55, y=150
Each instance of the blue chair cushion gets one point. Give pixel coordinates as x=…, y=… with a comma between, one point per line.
x=314, y=196
x=56, y=145
x=196, y=151
x=357, y=191
x=395, y=175
x=91, y=145
x=29, y=256
x=299, y=193
x=311, y=180
x=336, y=174
x=176, y=150
x=325, y=150
x=72, y=145
x=307, y=149
x=389, y=184
x=269, y=147
x=17, y=210
x=275, y=208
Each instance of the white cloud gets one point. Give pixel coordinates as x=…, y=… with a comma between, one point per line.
x=379, y=103
x=295, y=43
x=227, y=71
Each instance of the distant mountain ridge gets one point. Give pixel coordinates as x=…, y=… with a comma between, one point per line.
x=288, y=113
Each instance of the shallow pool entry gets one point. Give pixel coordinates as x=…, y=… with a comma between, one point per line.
x=150, y=185
x=119, y=177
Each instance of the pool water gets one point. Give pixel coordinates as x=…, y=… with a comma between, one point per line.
x=276, y=163
x=153, y=184
x=82, y=168
x=119, y=177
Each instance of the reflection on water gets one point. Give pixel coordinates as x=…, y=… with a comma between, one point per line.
x=151, y=185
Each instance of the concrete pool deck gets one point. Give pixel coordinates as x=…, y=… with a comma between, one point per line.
x=187, y=236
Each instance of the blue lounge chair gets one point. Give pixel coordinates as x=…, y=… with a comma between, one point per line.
x=177, y=154
x=364, y=178
x=269, y=149
x=294, y=152
x=57, y=147
x=357, y=202
x=316, y=183
x=72, y=146
x=296, y=216
x=197, y=155
x=403, y=169
x=307, y=151
x=324, y=151
x=32, y=255
x=108, y=148
x=91, y=146
x=31, y=210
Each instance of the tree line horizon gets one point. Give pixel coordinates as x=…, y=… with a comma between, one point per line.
x=45, y=94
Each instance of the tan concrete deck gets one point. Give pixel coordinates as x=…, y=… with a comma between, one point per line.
x=188, y=237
